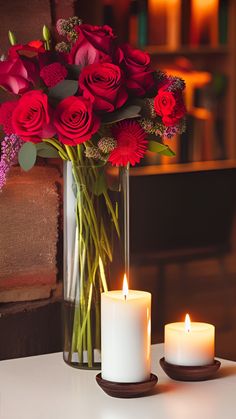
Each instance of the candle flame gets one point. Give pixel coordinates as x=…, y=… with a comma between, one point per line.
x=125, y=287
x=187, y=323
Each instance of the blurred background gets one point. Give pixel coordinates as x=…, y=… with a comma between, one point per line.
x=183, y=212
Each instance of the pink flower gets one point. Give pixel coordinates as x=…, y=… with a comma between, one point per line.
x=131, y=143
x=31, y=119
x=16, y=76
x=52, y=74
x=94, y=44
x=10, y=146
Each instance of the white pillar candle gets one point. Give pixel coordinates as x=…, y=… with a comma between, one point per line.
x=189, y=343
x=126, y=336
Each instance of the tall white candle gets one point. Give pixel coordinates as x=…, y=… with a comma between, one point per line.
x=126, y=336
x=189, y=343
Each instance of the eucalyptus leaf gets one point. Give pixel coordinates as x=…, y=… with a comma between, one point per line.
x=73, y=71
x=27, y=156
x=99, y=185
x=45, y=150
x=63, y=89
x=132, y=111
x=39, y=146
x=160, y=148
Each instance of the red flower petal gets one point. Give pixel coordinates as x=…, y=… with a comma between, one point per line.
x=6, y=110
x=131, y=143
x=52, y=74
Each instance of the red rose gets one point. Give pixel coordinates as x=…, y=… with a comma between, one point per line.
x=75, y=121
x=103, y=83
x=94, y=44
x=169, y=105
x=31, y=49
x=31, y=117
x=16, y=76
x=138, y=71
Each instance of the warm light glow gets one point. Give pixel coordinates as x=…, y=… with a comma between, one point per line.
x=204, y=24
x=205, y=4
x=159, y=5
x=187, y=323
x=193, y=80
x=125, y=287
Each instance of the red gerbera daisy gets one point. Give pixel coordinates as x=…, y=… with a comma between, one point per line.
x=131, y=143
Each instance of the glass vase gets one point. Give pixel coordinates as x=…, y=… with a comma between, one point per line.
x=96, y=253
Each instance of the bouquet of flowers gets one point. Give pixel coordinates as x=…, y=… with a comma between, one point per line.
x=96, y=104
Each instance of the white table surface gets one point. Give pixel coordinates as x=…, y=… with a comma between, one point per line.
x=44, y=387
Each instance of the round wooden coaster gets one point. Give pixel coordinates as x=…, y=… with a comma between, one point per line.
x=183, y=373
x=126, y=390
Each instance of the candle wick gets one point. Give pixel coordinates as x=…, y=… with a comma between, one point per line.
x=125, y=296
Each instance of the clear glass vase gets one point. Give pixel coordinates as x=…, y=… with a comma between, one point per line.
x=96, y=253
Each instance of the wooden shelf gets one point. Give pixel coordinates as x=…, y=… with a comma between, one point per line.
x=182, y=167
x=201, y=50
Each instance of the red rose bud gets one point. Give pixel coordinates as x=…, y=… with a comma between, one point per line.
x=138, y=71
x=103, y=84
x=52, y=74
x=169, y=105
x=75, y=121
x=31, y=118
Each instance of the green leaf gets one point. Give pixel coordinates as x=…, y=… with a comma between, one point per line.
x=160, y=148
x=73, y=71
x=27, y=156
x=99, y=185
x=168, y=152
x=56, y=145
x=132, y=111
x=63, y=89
x=45, y=150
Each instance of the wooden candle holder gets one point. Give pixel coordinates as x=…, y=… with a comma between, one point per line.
x=185, y=373
x=126, y=390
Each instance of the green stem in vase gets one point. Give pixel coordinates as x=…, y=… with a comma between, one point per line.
x=58, y=146
x=113, y=214
x=92, y=250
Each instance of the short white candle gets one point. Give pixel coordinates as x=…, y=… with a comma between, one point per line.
x=126, y=336
x=189, y=343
